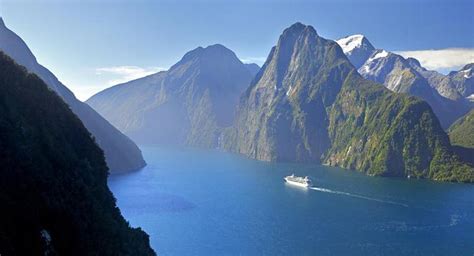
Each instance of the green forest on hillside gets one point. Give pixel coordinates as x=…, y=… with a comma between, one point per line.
x=53, y=192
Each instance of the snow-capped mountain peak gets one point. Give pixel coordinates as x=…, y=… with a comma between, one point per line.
x=357, y=48
x=349, y=43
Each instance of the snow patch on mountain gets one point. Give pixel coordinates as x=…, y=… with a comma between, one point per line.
x=349, y=43
x=470, y=98
x=379, y=54
x=370, y=66
x=467, y=73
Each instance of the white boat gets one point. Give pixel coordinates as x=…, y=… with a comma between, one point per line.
x=298, y=181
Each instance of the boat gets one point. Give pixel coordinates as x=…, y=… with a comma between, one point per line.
x=298, y=181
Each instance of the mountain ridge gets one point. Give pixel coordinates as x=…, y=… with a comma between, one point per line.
x=187, y=104
x=407, y=76
x=121, y=153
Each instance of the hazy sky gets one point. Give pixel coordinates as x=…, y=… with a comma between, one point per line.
x=90, y=45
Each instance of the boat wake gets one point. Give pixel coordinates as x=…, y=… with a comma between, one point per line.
x=325, y=190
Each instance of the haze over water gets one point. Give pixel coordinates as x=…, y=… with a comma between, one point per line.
x=204, y=202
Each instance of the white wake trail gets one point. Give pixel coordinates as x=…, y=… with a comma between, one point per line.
x=357, y=196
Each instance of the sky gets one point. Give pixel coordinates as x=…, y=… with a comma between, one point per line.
x=93, y=44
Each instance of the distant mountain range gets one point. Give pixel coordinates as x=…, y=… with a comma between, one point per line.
x=309, y=104
x=53, y=185
x=121, y=153
x=187, y=105
x=445, y=94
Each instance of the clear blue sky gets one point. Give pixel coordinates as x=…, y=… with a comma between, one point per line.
x=92, y=44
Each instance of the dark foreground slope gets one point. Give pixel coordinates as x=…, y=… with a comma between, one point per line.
x=121, y=153
x=53, y=191
x=309, y=104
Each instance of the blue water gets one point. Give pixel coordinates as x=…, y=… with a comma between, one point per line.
x=198, y=202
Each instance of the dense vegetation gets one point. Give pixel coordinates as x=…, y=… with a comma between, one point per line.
x=400, y=75
x=309, y=104
x=461, y=133
x=53, y=191
x=390, y=134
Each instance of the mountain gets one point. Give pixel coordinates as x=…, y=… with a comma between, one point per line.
x=253, y=68
x=457, y=85
x=396, y=73
x=53, y=190
x=188, y=104
x=463, y=80
x=399, y=75
x=461, y=133
x=121, y=153
x=309, y=104
x=357, y=49
x=438, y=81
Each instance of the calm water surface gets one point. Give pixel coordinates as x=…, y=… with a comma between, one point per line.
x=197, y=202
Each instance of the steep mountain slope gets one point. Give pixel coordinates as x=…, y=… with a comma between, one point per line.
x=357, y=48
x=463, y=80
x=438, y=81
x=457, y=85
x=188, y=104
x=53, y=191
x=121, y=153
x=253, y=68
x=309, y=104
x=398, y=74
x=461, y=133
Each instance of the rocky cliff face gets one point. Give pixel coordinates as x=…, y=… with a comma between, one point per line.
x=309, y=104
x=282, y=115
x=463, y=80
x=188, y=104
x=121, y=153
x=436, y=80
x=457, y=85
